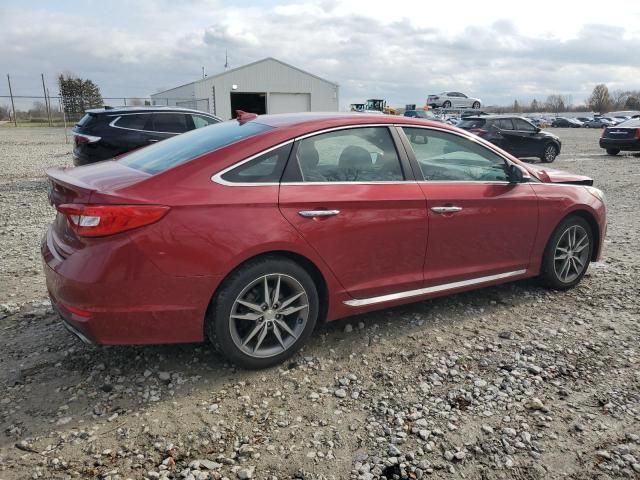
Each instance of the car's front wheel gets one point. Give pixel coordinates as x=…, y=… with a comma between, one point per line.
x=549, y=153
x=613, y=151
x=263, y=312
x=446, y=104
x=568, y=253
x=476, y=105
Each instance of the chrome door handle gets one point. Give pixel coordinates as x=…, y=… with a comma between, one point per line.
x=318, y=213
x=446, y=209
x=153, y=141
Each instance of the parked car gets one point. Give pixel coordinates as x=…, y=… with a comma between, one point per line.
x=625, y=136
x=599, y=122
x=584, y=119
x=566, y=122
x=104, y=133
x=515, y=135
x=426, y=114
x=253, y=231
x=453, y=100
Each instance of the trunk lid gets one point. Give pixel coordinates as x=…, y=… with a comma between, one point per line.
x=99, y=183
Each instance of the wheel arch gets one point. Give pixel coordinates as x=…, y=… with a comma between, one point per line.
x=311, y=268
x=593, y=224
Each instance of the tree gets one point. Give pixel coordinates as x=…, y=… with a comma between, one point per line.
x=77, y=94
x=556, y=103
x=534, y=105
x=600, y=100
x=516, y=106
x=4, y=112
x=633, y=102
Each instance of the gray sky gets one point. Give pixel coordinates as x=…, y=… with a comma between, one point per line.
x=401, y=50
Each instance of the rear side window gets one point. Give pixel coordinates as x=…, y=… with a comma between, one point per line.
x=170, y=123
x=134, y=122
x=200, y=121
x=504, y=124
x=182, y=148
x=472, y=123
x=267, y=168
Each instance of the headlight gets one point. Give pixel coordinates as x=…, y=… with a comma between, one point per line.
x=596, y=192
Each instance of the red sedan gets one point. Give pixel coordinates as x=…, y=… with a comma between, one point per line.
x=252, y=231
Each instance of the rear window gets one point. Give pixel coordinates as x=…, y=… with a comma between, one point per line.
x=182, y=148
x=472, y=123
x=86, y=120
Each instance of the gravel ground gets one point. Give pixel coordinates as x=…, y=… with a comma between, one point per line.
x=512, y=382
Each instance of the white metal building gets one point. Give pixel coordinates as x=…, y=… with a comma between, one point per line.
x=265, y=86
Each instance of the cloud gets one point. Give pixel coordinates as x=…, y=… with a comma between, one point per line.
x=138, y=48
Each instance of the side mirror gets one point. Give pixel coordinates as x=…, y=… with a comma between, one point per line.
x=517, y=174
x=538, y=129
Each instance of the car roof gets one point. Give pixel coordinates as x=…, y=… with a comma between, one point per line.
x=329, y=119
x=143, y=109
x=493, y=117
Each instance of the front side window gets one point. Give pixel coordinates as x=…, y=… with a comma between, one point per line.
x=446, y=157
x=523, y=125
x=182, y=148
x=170, y=123
x=267, y=168
x=364, y=154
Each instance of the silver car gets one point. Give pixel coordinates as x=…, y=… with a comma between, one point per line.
x=453, y=100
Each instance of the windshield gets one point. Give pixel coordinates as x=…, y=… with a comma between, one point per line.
x=182, y=148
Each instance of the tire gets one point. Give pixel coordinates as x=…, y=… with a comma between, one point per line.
x=446, y=104
x=613, y=151
x=263, y=324
x=555, y=272
x=476, y=105
x=549, y=153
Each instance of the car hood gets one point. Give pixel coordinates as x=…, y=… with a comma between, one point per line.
x=550, y=175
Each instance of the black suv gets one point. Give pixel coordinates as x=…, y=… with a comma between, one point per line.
x=107, y=132
x=516, y=135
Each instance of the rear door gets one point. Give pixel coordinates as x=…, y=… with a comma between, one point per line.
x=480, y=225
x=351, y=194
x=128, y=132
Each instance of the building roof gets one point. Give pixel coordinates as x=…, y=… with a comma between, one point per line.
x=227, y=72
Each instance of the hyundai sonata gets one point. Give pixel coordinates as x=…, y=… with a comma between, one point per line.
x=250, y=232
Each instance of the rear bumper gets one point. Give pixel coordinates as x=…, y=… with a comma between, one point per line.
x=630, y=144
x=116, y=298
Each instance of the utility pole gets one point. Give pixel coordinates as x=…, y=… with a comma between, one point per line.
x=13, y=107
x=46, y=101
x=203, y=75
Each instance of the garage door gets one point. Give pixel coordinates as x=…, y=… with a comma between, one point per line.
x=289, y=102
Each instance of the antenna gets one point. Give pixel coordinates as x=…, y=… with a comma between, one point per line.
x=226, y=60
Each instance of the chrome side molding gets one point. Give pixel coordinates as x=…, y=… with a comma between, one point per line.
x=434, y=289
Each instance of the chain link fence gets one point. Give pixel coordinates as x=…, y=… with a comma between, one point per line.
x=40, y=111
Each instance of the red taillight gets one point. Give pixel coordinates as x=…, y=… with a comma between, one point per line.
x=638, y=133
x=103, y=220
x=604, y=132
x=478, y=131
x=80, y=139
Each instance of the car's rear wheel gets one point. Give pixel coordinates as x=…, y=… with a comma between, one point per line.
x=446, y=104
x=263, y=312
x=568, y=253
x=613, y=151
x=549, y=153
x=476, y=105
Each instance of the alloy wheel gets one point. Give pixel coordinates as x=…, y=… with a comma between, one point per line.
x=269, y=315
x=550, y=153
x=571, y=254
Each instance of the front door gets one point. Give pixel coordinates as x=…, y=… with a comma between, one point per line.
x=348, y=195
x=480, y=225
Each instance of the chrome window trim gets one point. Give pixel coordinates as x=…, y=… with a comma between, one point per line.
x=433, y=289
x=217, y=177
x=118, y=116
